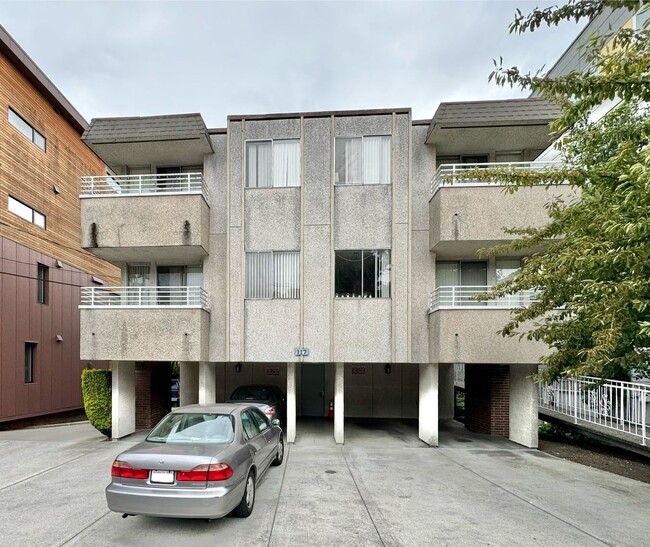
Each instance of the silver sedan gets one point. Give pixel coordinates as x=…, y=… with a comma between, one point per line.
x=200, y=461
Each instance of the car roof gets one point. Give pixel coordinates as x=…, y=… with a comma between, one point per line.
x=218, y=408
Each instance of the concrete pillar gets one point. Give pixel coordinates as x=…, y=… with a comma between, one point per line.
x=339, y=414
x=428, y=410
x=207, y=383
x=446, y=391
x=523, y=405
x=123, y=399
x=290, y=426
x=189, y=379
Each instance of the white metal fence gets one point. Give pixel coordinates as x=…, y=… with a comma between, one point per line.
x=622, y=406
x=131, y=185
x=143, y=297
x=455, y=173
x=454, y=296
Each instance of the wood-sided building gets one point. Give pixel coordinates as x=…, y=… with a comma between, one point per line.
x=42, y=264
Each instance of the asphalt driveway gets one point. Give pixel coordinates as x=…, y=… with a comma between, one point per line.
x=382, y=488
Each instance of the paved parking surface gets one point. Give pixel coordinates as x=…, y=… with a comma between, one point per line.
x=383, y=487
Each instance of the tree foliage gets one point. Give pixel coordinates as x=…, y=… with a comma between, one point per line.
x=594, y=276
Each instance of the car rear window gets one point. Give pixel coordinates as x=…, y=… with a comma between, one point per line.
x=194, y=428
x=251, y=393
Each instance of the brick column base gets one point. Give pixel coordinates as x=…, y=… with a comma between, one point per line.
x=487, y=399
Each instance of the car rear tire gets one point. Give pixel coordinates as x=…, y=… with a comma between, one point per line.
x=280, y=454
x=245, y=507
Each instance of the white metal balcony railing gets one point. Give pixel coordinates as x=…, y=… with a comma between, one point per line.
x=143, y=297
x=454, y=174
x=137, y=185
x=453, y=296
x=622, y=406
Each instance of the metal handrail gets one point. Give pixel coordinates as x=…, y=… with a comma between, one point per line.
x=143, y=297
x=612, y=404
x=457, y=296
x=134, y=185
x=450, y=174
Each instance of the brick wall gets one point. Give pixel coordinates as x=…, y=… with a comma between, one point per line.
x=152, y=393
x=487, y=399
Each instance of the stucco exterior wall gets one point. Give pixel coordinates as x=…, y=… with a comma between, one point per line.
x=272, y=219
x=272, y=330
x=362, y=217
x=362, y=330
x=156, y=334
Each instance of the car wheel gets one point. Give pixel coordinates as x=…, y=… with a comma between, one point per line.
x=245, y=507
x=280, y=454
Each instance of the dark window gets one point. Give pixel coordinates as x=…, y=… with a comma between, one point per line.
x=251, y=393
x=30, y=352
x=26, y=129
x=249, y=425
x=41, y=284
x=362, y=274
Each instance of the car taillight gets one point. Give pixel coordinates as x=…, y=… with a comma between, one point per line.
x=269, y=411
x=212, y=472
x=125, y=470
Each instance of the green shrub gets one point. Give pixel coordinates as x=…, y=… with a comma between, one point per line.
x=96, y=389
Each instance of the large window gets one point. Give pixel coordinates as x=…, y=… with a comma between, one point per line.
x=507, y=267
x=26, y=129
x=362, y=274
x=363, y=160
x=41, y=283
x=25, y=211
x=273, y=275
x=466, y=274
x=273, y=163
x=30, y=353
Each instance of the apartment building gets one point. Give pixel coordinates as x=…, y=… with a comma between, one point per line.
x=323, y=252
x=42, y=264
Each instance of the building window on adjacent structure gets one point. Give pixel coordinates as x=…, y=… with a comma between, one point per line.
x=362, y=274
x=363, y=160
x=273, y=275
x=273, y=163
x=26, y=129
x=507, y=267
x=25, y=211
x=43, y=274
x=30, y=354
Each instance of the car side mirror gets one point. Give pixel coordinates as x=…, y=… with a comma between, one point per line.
x=275, y=421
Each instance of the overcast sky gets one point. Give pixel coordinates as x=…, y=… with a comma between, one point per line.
x=221, y=58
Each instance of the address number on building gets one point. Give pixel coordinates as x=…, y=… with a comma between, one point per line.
x=301, y=352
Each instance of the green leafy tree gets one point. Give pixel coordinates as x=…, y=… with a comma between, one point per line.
x=594, y=276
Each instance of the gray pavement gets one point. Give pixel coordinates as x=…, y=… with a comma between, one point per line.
x=384, y=487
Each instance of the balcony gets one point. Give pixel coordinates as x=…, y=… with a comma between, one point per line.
x=464, y=330
x=146, y=217
x=144, y=323
x=467, y=214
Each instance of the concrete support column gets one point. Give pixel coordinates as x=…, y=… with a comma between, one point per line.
x=290, y=426
x=123, y=399
x=189, y=379
x=339, y=415
x=428, y=411
x=523, y=405
x=445, y=391
x=207, y=383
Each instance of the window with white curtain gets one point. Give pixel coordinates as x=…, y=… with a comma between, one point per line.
x=273, y=163
x=363, y=160
x=273, y=274
x=362, y=274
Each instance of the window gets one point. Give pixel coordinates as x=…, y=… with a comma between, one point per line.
x=507, y=267
x=260, y=420
x=363, y=160
x=250, y=426
x=26, y=129
x=465, y=274
x=362, y=274
x=41, y=283
x=273, y=275
x=24, y=211
x=273, y=163
x=30, y=352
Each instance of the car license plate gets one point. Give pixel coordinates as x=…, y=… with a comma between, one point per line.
x=165, y=477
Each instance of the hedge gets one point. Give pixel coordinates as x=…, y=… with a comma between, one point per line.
x=96, y=389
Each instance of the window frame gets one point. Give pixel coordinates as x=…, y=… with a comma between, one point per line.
x=30, y=362
x=363, y=183
x=362, y=251
x=42, y=282
x=34, y=212
x=272, y=141
x=34, y=131
x=273, y=297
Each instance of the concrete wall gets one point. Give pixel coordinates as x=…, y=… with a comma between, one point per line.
x=362, y=330
x=462, y=220
x=470, y=336
x=136, y=227
x=155, y=334
x=272, y=330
